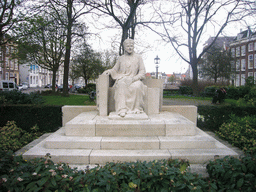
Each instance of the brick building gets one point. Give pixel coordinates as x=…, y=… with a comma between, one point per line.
x=243, y=50
x=9, y=67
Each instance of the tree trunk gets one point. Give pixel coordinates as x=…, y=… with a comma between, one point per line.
x=53, y=80
x=195, y=79
x=68, y=48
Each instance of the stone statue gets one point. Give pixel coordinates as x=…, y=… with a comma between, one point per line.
x=128, y=72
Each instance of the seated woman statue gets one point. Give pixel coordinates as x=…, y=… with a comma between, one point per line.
x=128, y=72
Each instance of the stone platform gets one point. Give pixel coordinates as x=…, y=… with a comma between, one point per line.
x=92, y=139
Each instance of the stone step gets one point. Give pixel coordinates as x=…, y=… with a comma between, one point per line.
x=58, y=140
x=163, y=124
x=87, y=156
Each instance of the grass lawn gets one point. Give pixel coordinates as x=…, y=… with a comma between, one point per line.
x=85, y=100
x=71, y=100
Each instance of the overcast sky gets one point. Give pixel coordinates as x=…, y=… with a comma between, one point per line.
x=170, y=61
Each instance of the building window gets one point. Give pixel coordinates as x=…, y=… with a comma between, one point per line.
x=254, y=77
x=233, y=66
x=255, y=61
x=250, y=74
x=233, y=52
x=6, y=62
x=238, y=65
x=6, y=76
x=243, y=65
x=242, y=79
x=237, y=80
x=238, y=52
x=243, y=50
x=16, y=66
x=254, y=45
x=250, y=61
x=250, y=47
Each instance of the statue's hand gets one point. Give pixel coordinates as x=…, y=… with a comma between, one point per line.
x=129, y=81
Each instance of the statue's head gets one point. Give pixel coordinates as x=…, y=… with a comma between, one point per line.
x=129, y=46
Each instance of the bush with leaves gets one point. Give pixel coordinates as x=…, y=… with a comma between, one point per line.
x=41, y=174
x=240, y=132
x=232, y=174
x=14, y=138
x=17, y=97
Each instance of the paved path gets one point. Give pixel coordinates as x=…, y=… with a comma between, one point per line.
x=185, y=101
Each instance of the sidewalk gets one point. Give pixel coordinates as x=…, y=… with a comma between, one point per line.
x=183, y=101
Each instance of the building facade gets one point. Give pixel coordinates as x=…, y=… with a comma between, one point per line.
x=36, y=76
x=9, y=67
x=243, y=51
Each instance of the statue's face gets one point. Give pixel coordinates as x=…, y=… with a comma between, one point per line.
x=129, y=47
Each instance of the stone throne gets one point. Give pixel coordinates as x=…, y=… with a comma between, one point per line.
x=153, y=98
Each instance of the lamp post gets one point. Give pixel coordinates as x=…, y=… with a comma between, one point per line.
x=157, y=62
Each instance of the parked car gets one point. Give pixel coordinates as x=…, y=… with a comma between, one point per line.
x=77, y=86
x=23, y=86
x=60, y=88
x=6, y=85
x=48, y=86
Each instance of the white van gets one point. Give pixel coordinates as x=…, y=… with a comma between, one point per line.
x=6, y=85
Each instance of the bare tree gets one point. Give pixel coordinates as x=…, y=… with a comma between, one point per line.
x=8, y=17
x=186, y=21
x=125, y=13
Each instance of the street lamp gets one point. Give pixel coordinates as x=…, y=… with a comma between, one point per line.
x=157, y=62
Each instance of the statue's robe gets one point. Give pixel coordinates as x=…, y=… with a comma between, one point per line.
x=128, y=72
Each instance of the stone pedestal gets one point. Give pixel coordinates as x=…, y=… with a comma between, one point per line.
x=88, y=138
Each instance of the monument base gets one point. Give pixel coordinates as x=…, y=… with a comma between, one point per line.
x=92, y=139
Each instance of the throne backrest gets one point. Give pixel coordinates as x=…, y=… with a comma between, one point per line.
x=105, y=95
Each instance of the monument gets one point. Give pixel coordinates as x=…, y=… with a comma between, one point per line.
x=128, y=72
x=129, y=123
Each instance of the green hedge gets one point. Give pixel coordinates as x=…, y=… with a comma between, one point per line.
x=47, y=118
x=212, y=117
x=240, y=132
x=41, y=174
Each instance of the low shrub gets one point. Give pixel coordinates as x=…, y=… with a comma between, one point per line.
x=17, y=97
x=14, y=138
x=213, y=116
x=209, y=91
x=87, y=89
x=240, y=132
x=232, y=174
x=47, y=118
x=41, y=174
x=186, y=90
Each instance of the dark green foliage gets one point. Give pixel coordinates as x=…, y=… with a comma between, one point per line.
x=17, y=97
x=232, y=174
x=43, y=175
x=240, y=132
x=47, y=118
x=209, y=91
x=186, y=90
x=89, y=88
x=233, y=93
x=212, y=117
x=14, y=138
